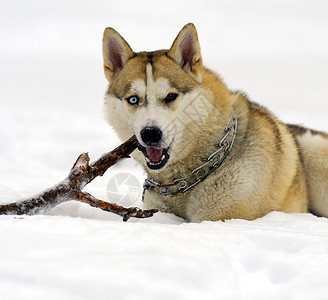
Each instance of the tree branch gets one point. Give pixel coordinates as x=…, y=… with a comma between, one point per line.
x=71, y=188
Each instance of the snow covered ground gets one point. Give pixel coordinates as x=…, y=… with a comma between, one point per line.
x=52, y=87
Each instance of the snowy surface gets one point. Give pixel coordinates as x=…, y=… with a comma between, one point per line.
x=52, y=87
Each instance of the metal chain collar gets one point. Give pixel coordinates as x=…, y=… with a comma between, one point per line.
x=199, y=174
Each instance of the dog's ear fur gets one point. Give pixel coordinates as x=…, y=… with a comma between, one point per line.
x=116, y=52
x=185, y=50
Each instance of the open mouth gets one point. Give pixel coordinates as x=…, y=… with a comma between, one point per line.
x=156, y=158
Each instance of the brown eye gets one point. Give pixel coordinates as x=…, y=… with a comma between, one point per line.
x=170, y=97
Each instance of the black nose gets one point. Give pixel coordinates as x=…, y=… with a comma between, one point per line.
x=151, y=136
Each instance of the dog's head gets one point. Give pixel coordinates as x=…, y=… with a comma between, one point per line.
x=149, y=94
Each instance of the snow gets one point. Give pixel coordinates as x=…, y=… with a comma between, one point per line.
x=280, y=256
x=52, y=88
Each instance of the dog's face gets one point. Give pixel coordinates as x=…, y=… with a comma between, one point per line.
x=149, y=94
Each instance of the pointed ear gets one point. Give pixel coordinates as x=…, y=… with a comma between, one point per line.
x=185, y=50
x=116, y=52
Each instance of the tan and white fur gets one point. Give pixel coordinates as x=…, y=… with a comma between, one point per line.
x=178, y=110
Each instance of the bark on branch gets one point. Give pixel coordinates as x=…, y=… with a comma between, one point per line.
x=71, y=188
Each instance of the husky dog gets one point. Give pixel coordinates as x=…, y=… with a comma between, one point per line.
x=209, y=153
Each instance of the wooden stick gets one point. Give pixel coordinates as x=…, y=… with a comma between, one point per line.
x=71, y=188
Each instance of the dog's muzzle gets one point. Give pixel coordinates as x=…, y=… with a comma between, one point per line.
x=156, y=156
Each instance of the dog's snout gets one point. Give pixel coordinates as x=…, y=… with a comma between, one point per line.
x=151, y=136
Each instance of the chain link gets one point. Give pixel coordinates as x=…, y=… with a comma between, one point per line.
x=199, y=174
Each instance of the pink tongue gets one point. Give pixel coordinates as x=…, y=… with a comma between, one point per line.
x=154, y=154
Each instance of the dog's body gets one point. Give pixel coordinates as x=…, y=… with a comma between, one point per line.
x=179, y=111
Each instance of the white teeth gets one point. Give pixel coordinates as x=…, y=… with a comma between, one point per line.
x=155, y=163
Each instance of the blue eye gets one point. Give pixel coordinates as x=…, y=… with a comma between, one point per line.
x=133, y=100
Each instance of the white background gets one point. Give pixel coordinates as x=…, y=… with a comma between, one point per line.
x=52, y=87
